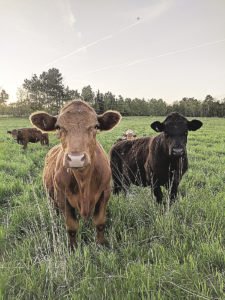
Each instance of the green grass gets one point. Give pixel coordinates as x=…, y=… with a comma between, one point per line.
x=177, y=254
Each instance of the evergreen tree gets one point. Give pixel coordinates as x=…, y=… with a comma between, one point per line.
x=87, y=94
x=3, y=96
x=99, y=103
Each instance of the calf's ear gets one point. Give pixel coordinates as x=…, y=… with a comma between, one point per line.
x=108, y=120
x=9, y=132
x=194, y=125
x=43, y=121
x=157, y=126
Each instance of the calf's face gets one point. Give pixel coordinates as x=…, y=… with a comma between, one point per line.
x=77, y=126
x=129, y=135
x=175, y=128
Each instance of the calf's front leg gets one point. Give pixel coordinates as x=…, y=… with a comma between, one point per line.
x=99, y=218
x=72, y=225
x=69, y=213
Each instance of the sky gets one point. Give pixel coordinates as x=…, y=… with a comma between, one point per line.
x=166, y=49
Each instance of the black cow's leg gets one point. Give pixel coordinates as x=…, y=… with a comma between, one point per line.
x=116, y=186
x=117, y=173
x=158, y=193
x=173, y=193
x=117, y=181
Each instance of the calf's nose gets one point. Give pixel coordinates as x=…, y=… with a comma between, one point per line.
x=76, y=160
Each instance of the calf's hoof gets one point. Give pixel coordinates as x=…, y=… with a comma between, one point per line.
x=103, y=242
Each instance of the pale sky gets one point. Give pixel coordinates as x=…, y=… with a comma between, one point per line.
x=166, y=49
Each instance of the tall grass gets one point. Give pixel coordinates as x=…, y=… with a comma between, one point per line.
x=154, y=254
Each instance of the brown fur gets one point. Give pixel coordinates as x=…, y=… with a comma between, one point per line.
x=86, y=190
x=24, y=136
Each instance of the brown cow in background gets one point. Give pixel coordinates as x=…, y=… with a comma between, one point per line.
x=77, y=173
x=154, y=161
x=24, y=136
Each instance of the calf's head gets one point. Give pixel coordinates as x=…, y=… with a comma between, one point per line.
x=129, y=135
x=175, y=128
x=77, y=125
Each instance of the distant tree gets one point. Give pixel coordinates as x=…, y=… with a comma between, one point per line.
x=3, y=96
x=120, y=105
x=87, y=94
x=99, y=103
x=157, y=107
x=127, y=107
x=52, y=88
x=70, y=94
x=34, y=92
x=109, y=100
x=47, y=91
x=188, y=107
x=208, y=106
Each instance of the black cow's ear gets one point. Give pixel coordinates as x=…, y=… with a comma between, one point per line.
x=43, y=121
x=9, y=132
x=157, y=126
x=194, y=125
x=108, y=120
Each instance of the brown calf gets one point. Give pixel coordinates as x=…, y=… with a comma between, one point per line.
x=154, y=161
x=77, y=173
x=128, y=135
x=24, y=136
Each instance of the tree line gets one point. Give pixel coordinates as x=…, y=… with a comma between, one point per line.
x=47, y=92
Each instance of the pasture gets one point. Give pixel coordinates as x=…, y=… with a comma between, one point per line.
x=155, y=253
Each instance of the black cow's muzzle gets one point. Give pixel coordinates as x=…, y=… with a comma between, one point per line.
x=178, y=152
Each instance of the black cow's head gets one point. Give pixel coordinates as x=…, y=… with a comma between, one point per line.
x=175, y=128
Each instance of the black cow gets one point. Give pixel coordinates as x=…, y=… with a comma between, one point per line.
x=154, y=161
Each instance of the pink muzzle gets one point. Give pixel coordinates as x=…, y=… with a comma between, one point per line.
x=75, y=160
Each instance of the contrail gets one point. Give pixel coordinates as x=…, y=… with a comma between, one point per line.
x=80, y=49
x=107, y=37
x=141, y=60
x=177, y=52
x=129, y=26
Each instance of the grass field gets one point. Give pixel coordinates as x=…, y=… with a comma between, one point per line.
x=175, y=254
